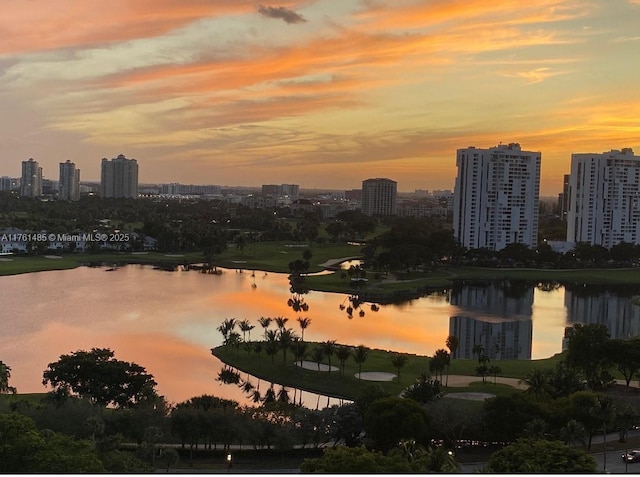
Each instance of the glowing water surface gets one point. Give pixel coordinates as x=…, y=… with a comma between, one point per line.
x=166, y=321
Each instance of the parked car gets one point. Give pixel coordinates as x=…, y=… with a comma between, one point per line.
x=631, y=456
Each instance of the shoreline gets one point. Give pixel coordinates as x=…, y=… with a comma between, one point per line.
x=384, y=290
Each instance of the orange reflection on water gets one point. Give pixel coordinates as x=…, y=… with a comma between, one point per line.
x=167, y=322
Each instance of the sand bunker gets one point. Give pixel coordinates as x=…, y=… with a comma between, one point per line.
x=375, y=376
x=470, y=396
x=52, y=256
x=313, y=366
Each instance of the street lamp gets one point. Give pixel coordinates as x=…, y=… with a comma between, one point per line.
x=229, y=462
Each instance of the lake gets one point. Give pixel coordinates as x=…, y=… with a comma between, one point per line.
x=166, y=321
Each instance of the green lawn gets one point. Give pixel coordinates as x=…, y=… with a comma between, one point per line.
x=25, y=264
x=347, y=385
x=275, y=256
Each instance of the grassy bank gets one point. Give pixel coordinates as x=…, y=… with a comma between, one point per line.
x=346, y=385
x=17, y=264
x=275, y=257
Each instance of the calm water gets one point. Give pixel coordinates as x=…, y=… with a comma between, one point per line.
x=166, y=321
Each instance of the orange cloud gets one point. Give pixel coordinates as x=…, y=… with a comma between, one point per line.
x=42, y=25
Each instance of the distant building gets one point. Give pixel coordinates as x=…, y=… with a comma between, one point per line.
x=31, y=179
x=6, y=183
x=69, y=184
x=379, y=197
x=496, y=197
x=563, y=198
x=270, y=189
x=353, y=194
x=189, y=189
x=604, y=198
x=119, y=178
x=290, y=190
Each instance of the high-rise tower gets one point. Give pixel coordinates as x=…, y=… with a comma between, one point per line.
x=119, y=178
x=496, y=197
x=31, y=180
x=604, y=198
x=379, y=197
x=69, y=185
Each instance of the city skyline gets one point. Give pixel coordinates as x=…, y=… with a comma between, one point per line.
x=318, y=93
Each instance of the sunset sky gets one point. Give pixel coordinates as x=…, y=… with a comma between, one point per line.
x=320, y=93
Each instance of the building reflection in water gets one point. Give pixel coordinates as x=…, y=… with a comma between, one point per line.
x=591, y=305
x=496, y=316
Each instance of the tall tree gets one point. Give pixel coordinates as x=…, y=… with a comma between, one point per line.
x=281, y=321
x=245, y=327
x=452, y=343
x=98, y=376
x=343, y=353
x=587, y=350
x=360, y=355
x=328, y=348
x=317, y=355
x=285, y=338
x=5, y=374
x=265, y=322
x=398, y=361
x=304, y=324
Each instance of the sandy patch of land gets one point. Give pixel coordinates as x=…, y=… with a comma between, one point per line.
x=469, y=396
x=174, y=255
x=313, y=366
x=52, y=256
x=6, y=259
x=459, y=381
x=145, y=253
x=375, y=376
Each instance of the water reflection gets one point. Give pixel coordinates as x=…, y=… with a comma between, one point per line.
x=167, y=321
x=611, y=308
x=273, y=392
x=495, y=315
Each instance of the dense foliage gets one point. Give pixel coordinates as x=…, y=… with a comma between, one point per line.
x=98, y=376
x=540, y=456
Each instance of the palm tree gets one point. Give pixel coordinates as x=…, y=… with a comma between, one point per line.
x=452, y=343
x=226, y=327
x=494, y=371
x=234, y=340
x=265, y=322
x=281, y=321
x=604, y=409
x=360, y=355
x=257, y=347
x=304, y=324
x=299, y=350
x=244, y=327
x=572, y=432
x=328, y=348
x=537, y=384
x=317, y=355
x=398, y=360
x=285, y=338
x=343, y=353
x=271, y=348
x=479, y=350
x=439, y=362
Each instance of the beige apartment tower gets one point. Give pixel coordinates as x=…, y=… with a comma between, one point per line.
x=119, y=178
x=31, y=179
x=379, y=197
x=69, y=185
